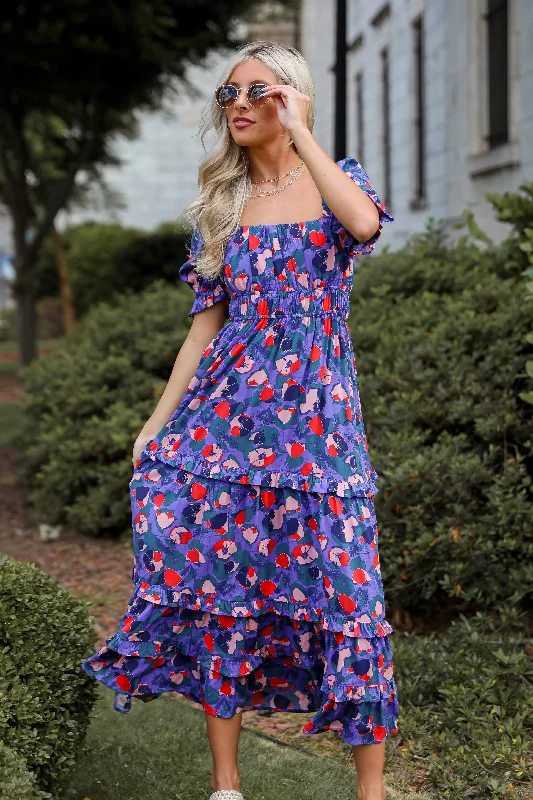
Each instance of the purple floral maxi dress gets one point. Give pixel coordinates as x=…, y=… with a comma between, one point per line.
x=257, y=581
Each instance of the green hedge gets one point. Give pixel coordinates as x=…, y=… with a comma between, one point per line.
x=90, y=251
x=156, y=255
x=45, y=697
x=440, y=340
x=16, y=781
x=466, y=706
x=85, y=404
x=106, y=260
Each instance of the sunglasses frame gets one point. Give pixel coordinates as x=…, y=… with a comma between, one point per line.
x=253, y=103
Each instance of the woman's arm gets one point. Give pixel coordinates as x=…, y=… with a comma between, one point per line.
x=206, y=324
x=348, y=202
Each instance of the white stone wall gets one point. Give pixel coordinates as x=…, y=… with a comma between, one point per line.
x=159, y=171
x=459, y=171
x=5, y=231
x=318, y=48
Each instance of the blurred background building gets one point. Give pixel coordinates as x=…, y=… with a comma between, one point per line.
x=439, y=110
x=439, y=101
x=159, y=173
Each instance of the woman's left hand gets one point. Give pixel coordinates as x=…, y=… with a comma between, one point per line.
x=291, y=104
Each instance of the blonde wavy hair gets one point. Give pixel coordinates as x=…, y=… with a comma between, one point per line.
x=224, y=175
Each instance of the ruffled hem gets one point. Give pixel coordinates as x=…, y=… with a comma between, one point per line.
x=349, y=625
x=365, y=487
x=284, y=665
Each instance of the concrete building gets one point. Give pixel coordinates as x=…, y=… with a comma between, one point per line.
x=439, y=105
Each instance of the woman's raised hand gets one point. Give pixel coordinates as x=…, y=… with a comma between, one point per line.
x=291, y=104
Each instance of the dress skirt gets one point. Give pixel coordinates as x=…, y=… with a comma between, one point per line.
x=252, y=597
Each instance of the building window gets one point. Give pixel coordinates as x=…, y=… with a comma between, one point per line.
x=498, y=72
x=419, y=112
x=385, y=115
x=360, y=120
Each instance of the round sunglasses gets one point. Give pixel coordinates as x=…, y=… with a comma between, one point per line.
x=227, y=94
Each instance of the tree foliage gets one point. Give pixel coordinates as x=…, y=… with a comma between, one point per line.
x=74, y=75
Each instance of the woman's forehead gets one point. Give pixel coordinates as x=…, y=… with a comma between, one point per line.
x=251, y=71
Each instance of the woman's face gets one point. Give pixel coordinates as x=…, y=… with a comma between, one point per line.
x=265, y=126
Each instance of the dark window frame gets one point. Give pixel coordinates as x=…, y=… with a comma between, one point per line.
x=360, y=117
x=497, y=37
x=420, y=187
x=385, y=119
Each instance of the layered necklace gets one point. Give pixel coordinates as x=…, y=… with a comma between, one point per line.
x=294, y=173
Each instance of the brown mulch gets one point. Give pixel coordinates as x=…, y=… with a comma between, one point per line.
x=12, y=355
x=98, y=570
x=10, y=390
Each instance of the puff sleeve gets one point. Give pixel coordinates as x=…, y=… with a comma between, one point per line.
x=343, y=237
x=206, y=292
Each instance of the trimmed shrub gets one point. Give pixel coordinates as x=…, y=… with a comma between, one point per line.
x=466, y=699
x=90, y=251
x=154, y=256
x=45, y=697
x=85, y=404
x=440, y=337
x=107, y=260
x=16, y=782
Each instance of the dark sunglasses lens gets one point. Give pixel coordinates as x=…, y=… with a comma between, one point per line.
x=255, y=93
x=226, y=94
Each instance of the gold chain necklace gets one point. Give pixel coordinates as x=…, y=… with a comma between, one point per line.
x=273, y=180
x=277, y=191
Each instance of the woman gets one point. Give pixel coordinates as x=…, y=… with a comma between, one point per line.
x=256, y=566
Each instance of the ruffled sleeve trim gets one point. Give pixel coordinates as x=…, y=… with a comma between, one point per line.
x=345, y=239
x=206, y=292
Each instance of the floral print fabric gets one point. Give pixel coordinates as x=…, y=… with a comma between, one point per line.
x=275, y=400
x=256, y=574
x=246, y=597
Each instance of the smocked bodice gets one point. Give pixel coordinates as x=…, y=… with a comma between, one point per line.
x=274, y=400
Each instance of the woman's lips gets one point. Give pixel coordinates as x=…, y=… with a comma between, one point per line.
x=243, y=123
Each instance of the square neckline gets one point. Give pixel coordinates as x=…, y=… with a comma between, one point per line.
x=306, y=222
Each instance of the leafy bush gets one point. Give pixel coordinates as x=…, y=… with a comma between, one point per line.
x=16, y=782
x=154, y=256
x=107, y=260
x=85, y=404
x=90, y=251
x=440, y=338
x=466, y=700
x=45, y=697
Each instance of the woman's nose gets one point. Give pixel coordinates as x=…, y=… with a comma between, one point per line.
x=244, y=102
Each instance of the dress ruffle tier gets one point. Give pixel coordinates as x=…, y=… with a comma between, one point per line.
x=209, y=618
x=269, y=661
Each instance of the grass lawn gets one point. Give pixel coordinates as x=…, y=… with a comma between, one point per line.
x=160, y=751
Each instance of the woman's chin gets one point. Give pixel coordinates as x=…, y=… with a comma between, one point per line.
x=243, y=136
